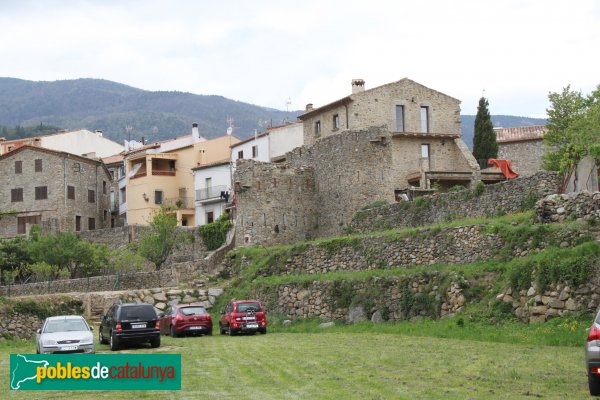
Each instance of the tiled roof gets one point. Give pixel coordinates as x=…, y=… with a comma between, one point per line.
x=520, y=133
x=212, y=164
x=114, y=158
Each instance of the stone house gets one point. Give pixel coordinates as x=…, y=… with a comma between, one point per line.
x=118, y=207
x=58, y=191
x=523, y=146
x=424, y=125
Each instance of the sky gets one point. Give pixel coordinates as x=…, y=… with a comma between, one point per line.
x=285, y=54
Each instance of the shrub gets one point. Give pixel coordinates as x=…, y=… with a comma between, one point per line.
x=215, y=234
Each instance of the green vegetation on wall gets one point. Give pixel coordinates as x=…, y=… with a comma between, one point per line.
x=214, y=234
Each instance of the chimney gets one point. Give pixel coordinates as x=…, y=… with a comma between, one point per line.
x=195, y=132
x=99, y=132
x=358, y=85
x=309, y=107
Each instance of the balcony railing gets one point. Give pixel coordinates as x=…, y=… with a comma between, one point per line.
x=179, y=203
x=213, y=192
x=163, y=172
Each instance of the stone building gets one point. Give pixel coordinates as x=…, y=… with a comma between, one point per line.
x=366, y=147
x=58, y=191
x=423, y=126
x=523, y=146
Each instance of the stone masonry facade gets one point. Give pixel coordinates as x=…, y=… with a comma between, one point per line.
x=38, y=186
x=320, y=187
x=377, y=107
x=525, y=156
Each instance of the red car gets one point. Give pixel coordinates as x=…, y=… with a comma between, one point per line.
x=243, y=316
x=185, y=319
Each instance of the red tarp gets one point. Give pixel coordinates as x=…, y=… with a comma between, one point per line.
x=504, y=166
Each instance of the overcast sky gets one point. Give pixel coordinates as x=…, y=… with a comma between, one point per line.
x=266, y=52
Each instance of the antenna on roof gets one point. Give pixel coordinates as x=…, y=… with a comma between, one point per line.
x=230, y=126
x=129, y=129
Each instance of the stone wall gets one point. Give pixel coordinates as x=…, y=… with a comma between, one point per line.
x=320, y=187
x=571, y=206
x=24, y=324
x=431, y=295
x=497, y=199
x=525, y=156
x=377, y=107
x=58, y=171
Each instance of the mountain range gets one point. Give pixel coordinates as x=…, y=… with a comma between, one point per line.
x=124, y=112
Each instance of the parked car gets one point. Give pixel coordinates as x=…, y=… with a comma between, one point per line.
x=592, y=357
x=65, y=334
x=186, y=319
x=243, y=316
x=130, y=323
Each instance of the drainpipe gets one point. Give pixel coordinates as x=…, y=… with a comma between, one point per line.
x=347, y=120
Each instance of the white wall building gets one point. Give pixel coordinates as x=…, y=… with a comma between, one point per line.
x=270, y=145
x=212, y=183
x=82, y=142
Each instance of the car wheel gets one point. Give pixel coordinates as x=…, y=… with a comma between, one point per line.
x=209, y=333
x=594, y=384
x=230, y=331
x=221, y=329
x=173, y=332
x=154, y=343
x=114, y=342
x=101, y=337
x=263, y=331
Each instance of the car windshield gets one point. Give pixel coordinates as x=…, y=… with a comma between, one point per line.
x=137, y=313
x=193, y=310
x=65, y=325
x=248, y=307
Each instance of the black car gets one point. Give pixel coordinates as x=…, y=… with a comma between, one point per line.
x=130, y=323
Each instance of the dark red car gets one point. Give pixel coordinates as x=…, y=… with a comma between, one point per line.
x=243, y=316
x=185, y=319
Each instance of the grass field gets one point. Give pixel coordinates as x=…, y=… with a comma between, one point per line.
x=353, y=363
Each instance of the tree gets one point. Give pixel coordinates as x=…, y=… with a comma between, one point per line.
x=68, y=252
x=162, y=239
x=484, y=139
x=573, y=129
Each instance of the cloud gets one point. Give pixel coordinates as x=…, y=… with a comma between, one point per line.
x=267, y=52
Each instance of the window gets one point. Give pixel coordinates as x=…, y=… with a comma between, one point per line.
x=38, y=165
x=41, y=192
x=254, y=151
x=240, y=154
x=317, y=128
x=91, y=224
x=158, y=197
x=210, y=217
x=71, y=192
x=103, y=187
x=336, y=122
x=18, y=167
x=112, y=200
x=424, y=119
x=16, y=195
x=123, y=195
x=78, y=223
x=105, y=215
x=424, y=151
x=399, y=118
x=23, y=221
x=91, y=196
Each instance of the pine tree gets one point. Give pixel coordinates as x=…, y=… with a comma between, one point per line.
x=484, y=141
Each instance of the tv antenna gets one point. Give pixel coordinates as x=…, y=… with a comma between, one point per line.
x=129, y=129
x=230, y=126
x=288, y=103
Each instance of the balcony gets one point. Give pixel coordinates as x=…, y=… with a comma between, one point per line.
x=163, y=172
x=179, y=203
x=213, y=193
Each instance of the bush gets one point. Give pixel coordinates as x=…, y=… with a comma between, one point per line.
x=215, y=234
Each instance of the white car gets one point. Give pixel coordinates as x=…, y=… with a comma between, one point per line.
x=65, y=334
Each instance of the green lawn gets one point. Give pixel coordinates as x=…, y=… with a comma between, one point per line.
x=347, y=365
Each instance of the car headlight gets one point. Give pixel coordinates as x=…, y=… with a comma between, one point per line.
x=87, y=341
x=49, y=342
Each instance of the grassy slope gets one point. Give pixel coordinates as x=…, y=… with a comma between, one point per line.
x=344, y=364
